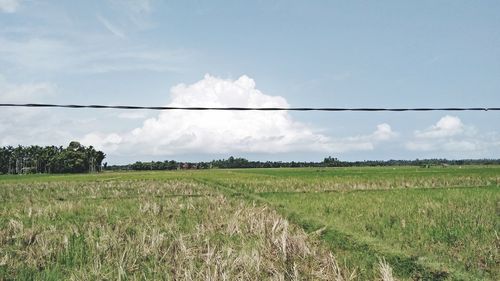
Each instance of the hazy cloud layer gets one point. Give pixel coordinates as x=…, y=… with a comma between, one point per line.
x=28, y=92
x=9, y=6
x=111, y=27
x=176, y=132
x=53, y=55
x=40, y=126
x=63, y=45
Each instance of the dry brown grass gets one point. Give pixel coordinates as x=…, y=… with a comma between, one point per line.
x=145, y=230
x=385, y=271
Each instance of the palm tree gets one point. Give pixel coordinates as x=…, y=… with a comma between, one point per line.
x=76, y=158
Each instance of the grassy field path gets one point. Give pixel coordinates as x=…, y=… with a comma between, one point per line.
x=427, y=228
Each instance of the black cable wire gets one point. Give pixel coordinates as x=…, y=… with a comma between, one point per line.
x=133, y=107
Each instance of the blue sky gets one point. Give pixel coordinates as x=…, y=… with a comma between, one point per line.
x=297, y=53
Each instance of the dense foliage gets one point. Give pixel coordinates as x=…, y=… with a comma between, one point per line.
x=233, y=162
x=75, y=158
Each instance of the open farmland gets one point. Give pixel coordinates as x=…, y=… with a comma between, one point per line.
x=281, y=224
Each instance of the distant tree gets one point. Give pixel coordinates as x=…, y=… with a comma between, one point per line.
x=331, y=162
x=76, y=158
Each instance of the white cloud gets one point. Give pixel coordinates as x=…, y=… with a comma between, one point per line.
x=177, y=132
x=447, y=126
x=111, y=141
x=41, y=126
x=28, y=125
x=9, y=6
x=449, y=134
x=384, y=132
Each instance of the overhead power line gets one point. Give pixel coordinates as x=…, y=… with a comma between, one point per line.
x=198, y=108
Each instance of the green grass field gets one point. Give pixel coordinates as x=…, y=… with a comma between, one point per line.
x=278, y=224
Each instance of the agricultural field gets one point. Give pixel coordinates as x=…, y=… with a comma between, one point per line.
x=407, y=223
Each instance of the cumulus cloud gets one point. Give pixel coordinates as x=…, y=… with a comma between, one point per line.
x=177, y=132
x=447, y=126
x=450, y=134
x=9, y=6
x=384, y=132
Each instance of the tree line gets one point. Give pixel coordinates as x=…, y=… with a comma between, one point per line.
x=233, y=162
x=75, y=158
